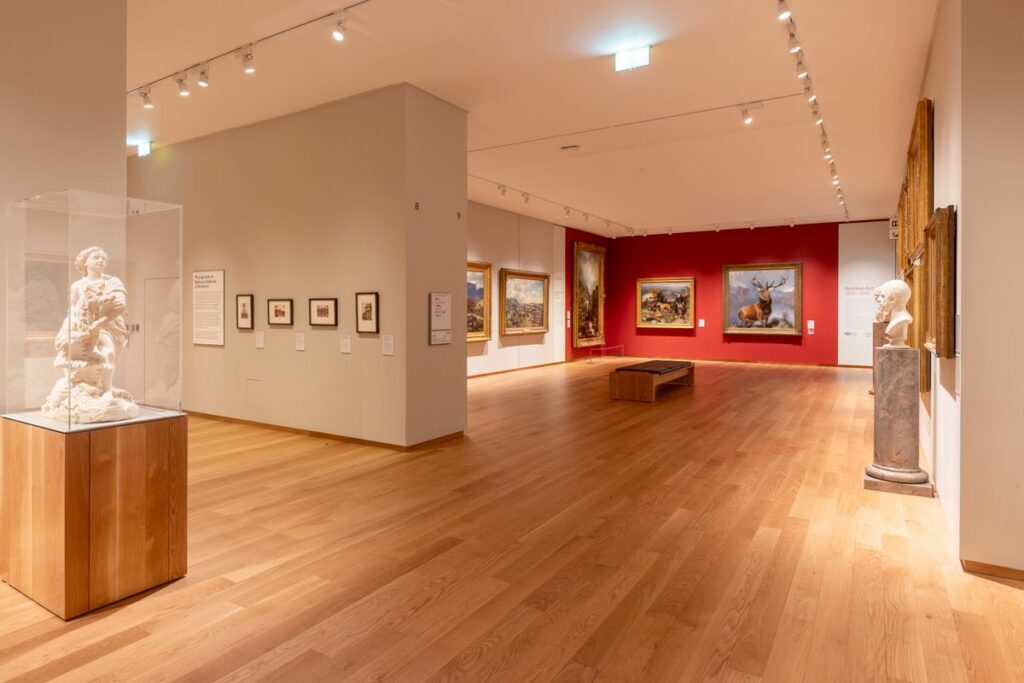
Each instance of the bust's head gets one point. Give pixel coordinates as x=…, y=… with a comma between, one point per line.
x=91, y=259
x=892, y=297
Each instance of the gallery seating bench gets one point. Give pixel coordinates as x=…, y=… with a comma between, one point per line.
x=640, y=382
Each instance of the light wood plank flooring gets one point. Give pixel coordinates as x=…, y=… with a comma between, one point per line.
x=720, y=534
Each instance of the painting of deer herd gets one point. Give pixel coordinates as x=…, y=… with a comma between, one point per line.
x=664, y=302
x=762, y=298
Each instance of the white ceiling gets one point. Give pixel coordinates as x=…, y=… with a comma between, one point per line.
x=664, y=147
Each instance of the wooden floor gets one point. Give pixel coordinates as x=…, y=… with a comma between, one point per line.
x=722, y=533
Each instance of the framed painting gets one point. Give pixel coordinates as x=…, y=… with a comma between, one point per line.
x=478, y=301
x=664, y=303
x=940, y=237
x=323, y=312
x=588, y=294
x=280, y=312
x=368, y=312
x=762, y=298
x=523, y=302
x=245, y=304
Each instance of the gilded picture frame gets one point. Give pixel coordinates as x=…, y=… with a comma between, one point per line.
x=665, y=303
x=526, y=310
x=744, y=288
x=588, y=295
x=478, y=301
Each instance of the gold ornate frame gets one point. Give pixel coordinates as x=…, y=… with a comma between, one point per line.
x=641, y=281
x=798, y=300
x=600, y=339
x=485, y=269
x=940, y=255
x=504, y=275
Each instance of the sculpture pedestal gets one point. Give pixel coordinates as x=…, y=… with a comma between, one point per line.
x=92, y=516
x=877, y=340
x=896, y=464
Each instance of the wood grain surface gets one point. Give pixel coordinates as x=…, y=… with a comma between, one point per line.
x=722, y=533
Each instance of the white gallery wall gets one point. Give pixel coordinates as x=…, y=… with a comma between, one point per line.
x=940, y=421
x=992, y=398
x=62, y=122
x=867, y=258
x=361, y=195
x=509, y=240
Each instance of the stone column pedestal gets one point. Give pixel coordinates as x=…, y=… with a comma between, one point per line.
x=877, y=340
x=896, y=467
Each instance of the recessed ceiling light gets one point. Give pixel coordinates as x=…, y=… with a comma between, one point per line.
x=633, y=59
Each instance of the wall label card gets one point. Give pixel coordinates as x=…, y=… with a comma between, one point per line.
x=300, y=341
x=346, y=343
x=387, y=346
x=259, y=339
x=440, y=318
x=208, y=307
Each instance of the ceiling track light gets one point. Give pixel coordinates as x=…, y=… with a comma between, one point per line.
x=181, y=80
x=526, y=198
x=782, y=11
x=340, y=26
x=809, y=92
x=835, y=181
x=204, y=76
x=586, y=218
x=747, y=118
x=801, y=70
x=816, y=115
x=248, y=57
x=147, y=101
x=502, y=191
x=794, y=44
x=568, y=212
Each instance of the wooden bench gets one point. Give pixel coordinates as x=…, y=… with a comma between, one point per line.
x=640, y=382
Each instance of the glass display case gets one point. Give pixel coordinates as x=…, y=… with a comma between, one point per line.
x=92, y=311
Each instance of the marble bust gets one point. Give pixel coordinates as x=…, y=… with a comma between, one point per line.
x=892, y=298
x=89, y=344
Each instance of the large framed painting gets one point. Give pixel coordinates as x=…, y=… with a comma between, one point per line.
x=523, y=302
x=664, y=303
x=762, y=298
x=478, y=301
x=587, y=295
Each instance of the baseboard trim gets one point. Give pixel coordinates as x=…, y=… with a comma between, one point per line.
x=527, y=367
x=973, y=567
x=327, y=435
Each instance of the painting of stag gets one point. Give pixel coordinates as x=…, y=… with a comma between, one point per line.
x=763, y=298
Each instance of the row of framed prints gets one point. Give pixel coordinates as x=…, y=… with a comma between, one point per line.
x=760, y=298
x=323, y=312
x=522, y=305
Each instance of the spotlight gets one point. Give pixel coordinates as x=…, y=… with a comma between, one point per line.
x=586, y=218
x=817, y=117
x=835, y=181
x=809, y=93
x=794, y=44
x=502, y=191
x=147, y=101
x=181, y=80
x=248, y=57
x=526, y=198
x=338, y=32
x=568, y=212
x=204, y=76
x=783, y=11
x=607, y=224
x=801, y=70
x=747, y=118
x=828, y=156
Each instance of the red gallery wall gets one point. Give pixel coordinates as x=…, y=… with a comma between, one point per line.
x=702, y=255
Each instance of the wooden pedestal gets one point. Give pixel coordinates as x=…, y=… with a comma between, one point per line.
x=91, y=517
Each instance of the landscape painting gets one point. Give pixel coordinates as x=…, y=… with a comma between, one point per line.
x=762, y=298
x=588, y=295
x=478, y=301
x=664, y=303
x=524, y=302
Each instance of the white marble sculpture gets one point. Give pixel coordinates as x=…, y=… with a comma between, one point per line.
x=89, y=343
x=892, y=299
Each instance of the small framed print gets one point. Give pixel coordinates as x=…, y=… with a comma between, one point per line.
x=244, y=311
x=280, y=312
x=323, y=312
x=368, y=312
